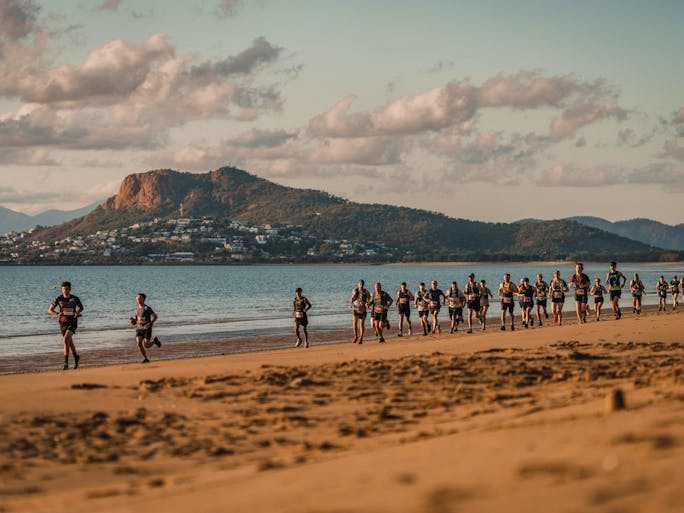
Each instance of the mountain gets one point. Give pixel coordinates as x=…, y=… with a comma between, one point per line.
x=647, y=231
x=414, y=234
x=11, y=221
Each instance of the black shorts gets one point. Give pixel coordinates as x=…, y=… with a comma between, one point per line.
x=541, y=302
x=662, y=296
x=422, y=313
x=507, y=306
x=598, y=300
x=303, y=320
x=558, y=299
x=615, y=293
x=636, y=296
x=474, y=305
x=434, y=309
x=380, y=316
x=145, y=334
x=581, y=298
x=404, y=309
x=71, y=324
x=359, y=315
x=456, y=311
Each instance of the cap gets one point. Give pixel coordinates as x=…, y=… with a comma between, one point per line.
x=362, y=282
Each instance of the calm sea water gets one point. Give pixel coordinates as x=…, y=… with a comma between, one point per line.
x=212, y=302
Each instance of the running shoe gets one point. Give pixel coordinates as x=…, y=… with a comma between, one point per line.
x=503, y=328
x=410, y=332
x=306, y=345
x=360, y=341
x=470, y=330
x=381, y=340
x=145, y=361
x=451, y=330
x=424, y=333
x=540, y=323
x=512, y=328
x=298, y=343
x=156, y=341
x=400, y=334
x=480, y=320
x=76, y=360
x=66, y=366
x=355, y=340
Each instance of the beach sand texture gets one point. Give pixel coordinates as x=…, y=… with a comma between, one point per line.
x=488, y=422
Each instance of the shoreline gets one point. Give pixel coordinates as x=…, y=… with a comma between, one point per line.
x=245, y=344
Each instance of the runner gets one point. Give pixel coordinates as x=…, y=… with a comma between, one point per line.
x=662, y=288
x=674, y=285
x=359, y=297
x=455, y=299
x=558, y=289
x=541, y=291
x=70, y=308
x=526, y=294
x=422, y=305
x=472, y=292
x=404, y=298
x=615, y=286
x=435, y=304
x=507, y=289
x=380, y=301
x=301, y=305
x=636, y=286
x=597, y=291
x=143, y=319
x=582, y=284
x=484, y=303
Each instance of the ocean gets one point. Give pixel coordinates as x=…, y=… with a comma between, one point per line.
x=197, y=303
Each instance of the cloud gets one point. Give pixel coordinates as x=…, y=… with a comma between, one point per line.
x=458, y=101
x=678, y=117
x=629, y=137
x=228, y=8
x=260, y=52
x=570, y=175
x=582, y=115
x=110, y=5
x=18, y=19
x=673, y=150
x=24, y=157
x=107, y=75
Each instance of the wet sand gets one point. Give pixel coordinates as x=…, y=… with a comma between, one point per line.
x=489, y=422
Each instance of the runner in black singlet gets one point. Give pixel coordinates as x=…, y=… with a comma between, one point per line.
x=582, y=285
x=541, y=292
x=380, y=302
x=454, y=298
x=421, y=303
x=359, y=298
x=636, y=286
x=558, y=288
x=301, y=305
x=484, y=303
x=433, y=296
x=616, y=282
x=507, y=291
x=472, y=293
x=597, y=291
x=143, y=319
x=674, y=286
x=69, y=310
x=526, y=294
x=662, y=288
x=404, y=299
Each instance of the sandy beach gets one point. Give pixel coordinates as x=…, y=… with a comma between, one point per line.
x=488, y=422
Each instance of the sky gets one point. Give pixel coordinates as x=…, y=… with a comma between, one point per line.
x=491, y=110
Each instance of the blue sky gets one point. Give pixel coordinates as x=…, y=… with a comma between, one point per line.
x=563, y=108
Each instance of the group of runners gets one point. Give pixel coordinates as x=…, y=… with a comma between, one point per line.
x=470, y=304
x=68, y=308
x=466, y=305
